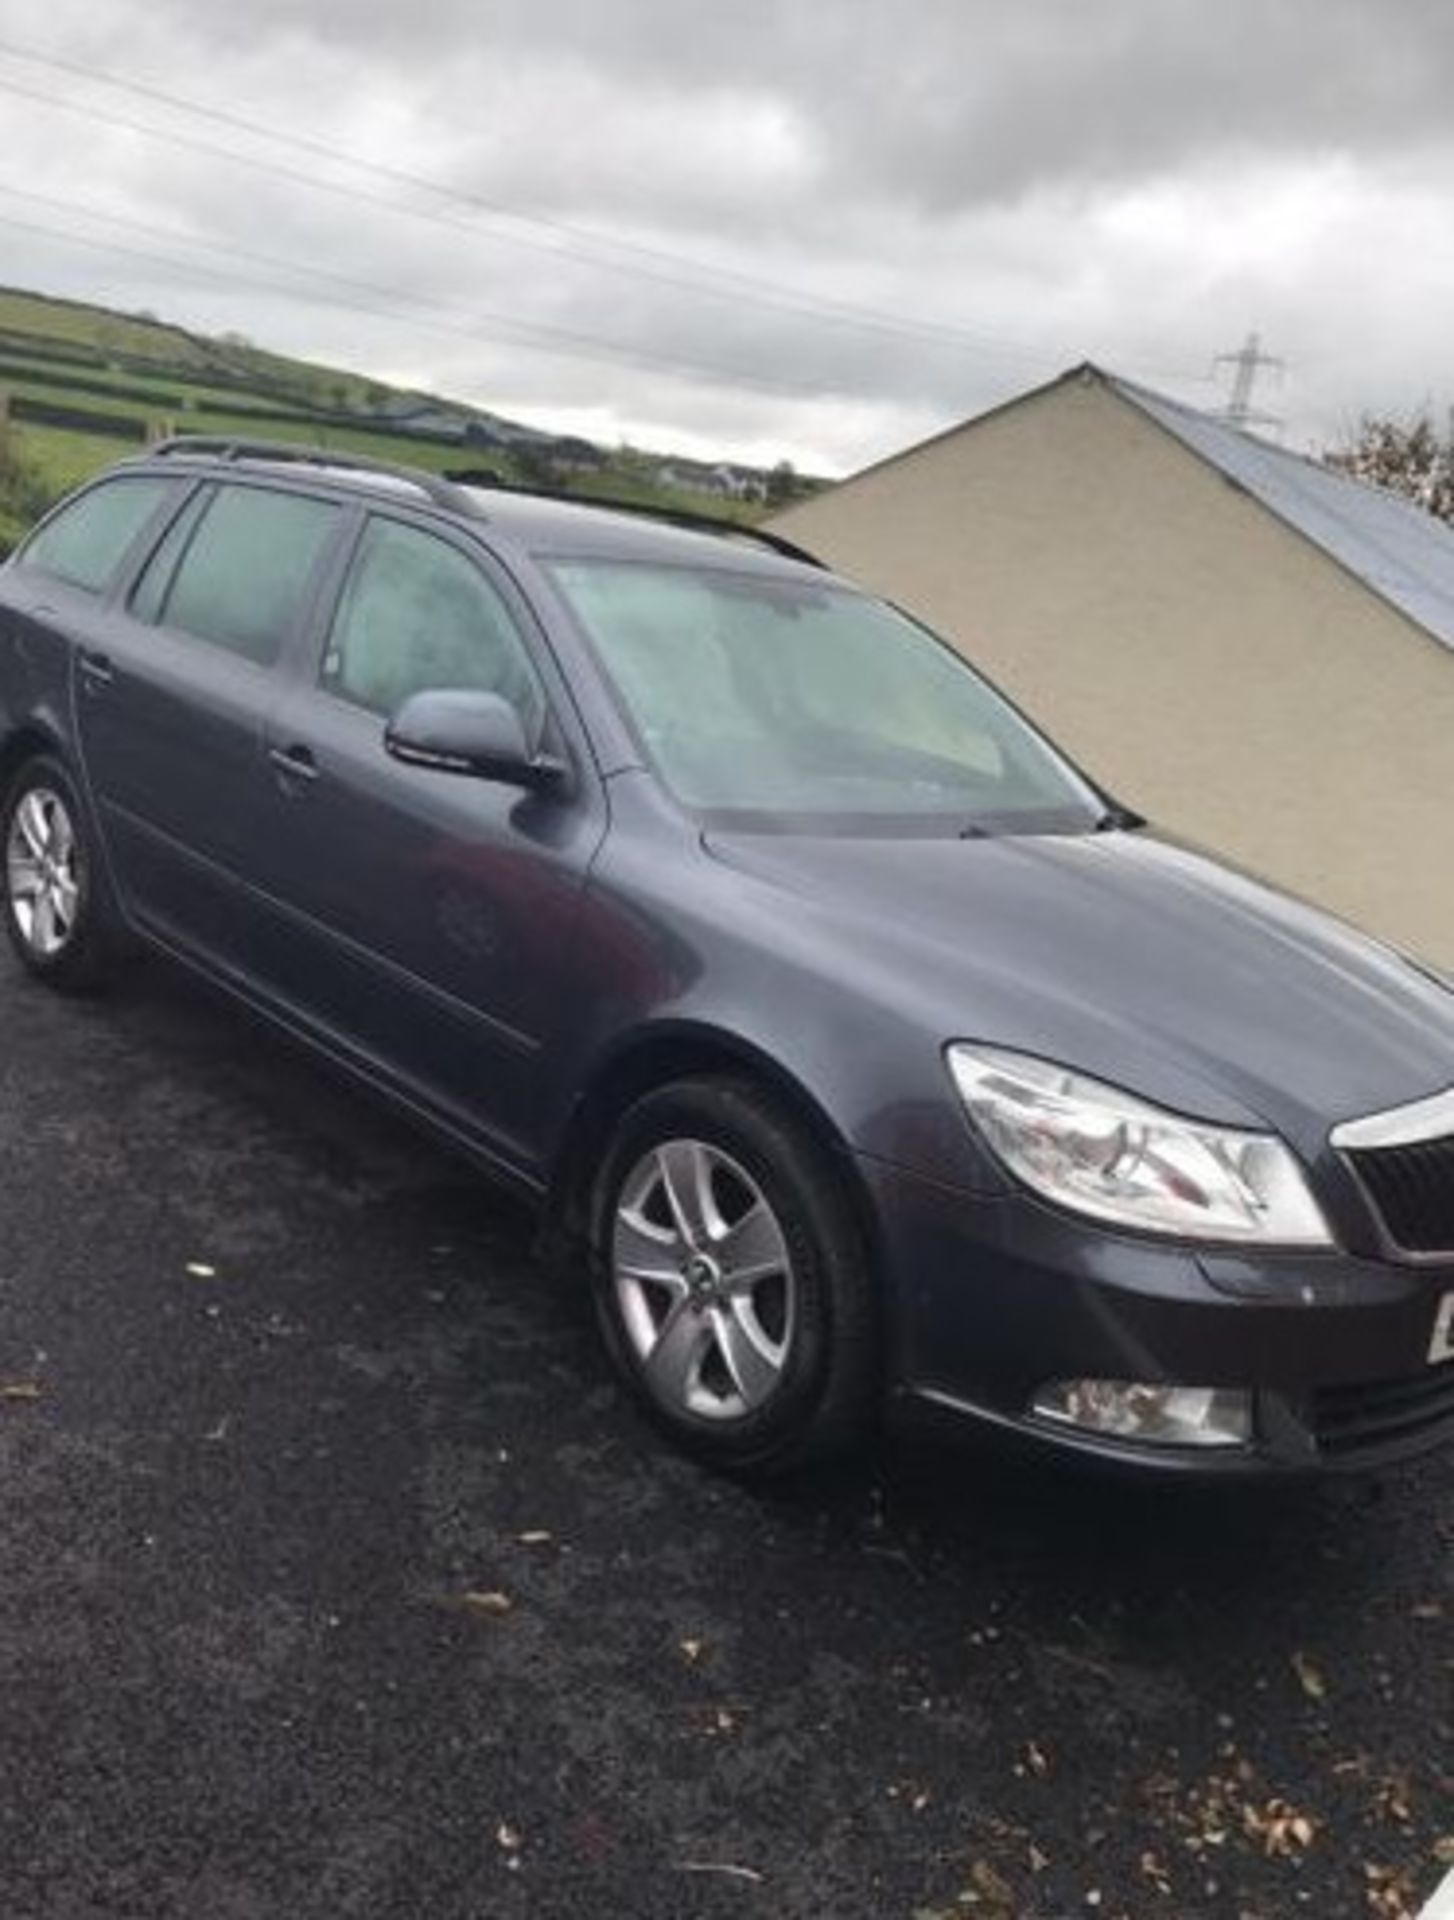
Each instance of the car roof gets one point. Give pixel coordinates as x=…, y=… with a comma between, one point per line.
x=544, y=524
x=539, y=521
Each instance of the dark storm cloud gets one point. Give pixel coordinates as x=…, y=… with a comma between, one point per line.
x=943, y=104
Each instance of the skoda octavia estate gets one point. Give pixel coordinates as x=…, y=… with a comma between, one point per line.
x=866, y=1050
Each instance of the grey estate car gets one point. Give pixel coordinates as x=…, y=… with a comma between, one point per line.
x=871, y=1054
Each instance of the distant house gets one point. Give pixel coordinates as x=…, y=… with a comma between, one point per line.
x=678, y=478
x=1254, y=651
x=570, y=454
x=482, y=433
x=722, y=482
x=737, y=483
x=407, y=414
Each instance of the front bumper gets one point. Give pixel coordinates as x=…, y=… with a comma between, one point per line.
x=993, y=1296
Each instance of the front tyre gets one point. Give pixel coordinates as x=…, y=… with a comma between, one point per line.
x=732, y=1281
x=57, y=906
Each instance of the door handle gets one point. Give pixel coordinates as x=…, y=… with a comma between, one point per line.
x=295, y=763
x=96, y=670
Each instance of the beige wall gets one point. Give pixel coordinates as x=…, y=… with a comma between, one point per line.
x=1214, y=669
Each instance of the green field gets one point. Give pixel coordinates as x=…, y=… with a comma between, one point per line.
x=62, y=460
x=67, y=321
x=59, y=459
x=24, y=363
x=55, y=461
x=169, y=350
x=129, y=375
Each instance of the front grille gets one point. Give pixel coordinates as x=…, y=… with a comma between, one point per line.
x=1347, y=1418
x=1413, y=1189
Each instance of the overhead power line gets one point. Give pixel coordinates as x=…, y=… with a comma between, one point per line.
x=483, y=326
x=577, y=245
x=558, y=239
x=564, y=239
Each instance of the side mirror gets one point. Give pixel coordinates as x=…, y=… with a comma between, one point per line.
x=458, y=731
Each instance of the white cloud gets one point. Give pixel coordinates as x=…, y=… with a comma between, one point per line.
x=1051, y=182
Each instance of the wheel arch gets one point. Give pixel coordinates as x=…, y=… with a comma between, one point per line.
x=26, y=742
x=679, y=1051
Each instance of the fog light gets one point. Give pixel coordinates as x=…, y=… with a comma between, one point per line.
x=1138, y=1410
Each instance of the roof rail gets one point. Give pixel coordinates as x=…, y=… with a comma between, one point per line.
x=230, y=448
x=672, y=516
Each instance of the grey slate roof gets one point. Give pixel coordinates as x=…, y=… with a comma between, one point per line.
x=1394, y=547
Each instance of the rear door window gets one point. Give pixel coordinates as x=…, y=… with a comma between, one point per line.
x=245, y=574
x=85, y=543
x=150, y=591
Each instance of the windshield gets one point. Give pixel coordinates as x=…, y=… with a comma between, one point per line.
x=763, y=697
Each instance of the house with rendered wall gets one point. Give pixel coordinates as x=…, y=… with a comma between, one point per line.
x=1252, y=650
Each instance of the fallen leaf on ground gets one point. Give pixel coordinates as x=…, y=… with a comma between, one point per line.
x=911, y=1794
x=1281, y=1828
x=1392, y=1799
x=1310, y=1677
x=1390, y=1892
x=989, y=1895
x=509, y=1840
x=1155, y=1871
x=492, y=1602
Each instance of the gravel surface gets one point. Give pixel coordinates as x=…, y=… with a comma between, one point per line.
x=337, y=1579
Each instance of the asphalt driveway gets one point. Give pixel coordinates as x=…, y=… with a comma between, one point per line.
x=336, y=1579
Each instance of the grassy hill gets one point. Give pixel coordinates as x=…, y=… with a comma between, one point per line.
x=81, y=386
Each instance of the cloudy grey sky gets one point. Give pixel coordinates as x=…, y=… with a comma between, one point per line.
x=813, y=228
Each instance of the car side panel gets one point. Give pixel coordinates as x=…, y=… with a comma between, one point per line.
x=431, y=916
x=675, y=947
x=35, y=656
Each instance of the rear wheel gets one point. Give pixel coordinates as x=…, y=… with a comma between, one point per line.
x=731, y=1278
x=57, y=905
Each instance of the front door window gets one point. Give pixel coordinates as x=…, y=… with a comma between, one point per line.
x=418, y=614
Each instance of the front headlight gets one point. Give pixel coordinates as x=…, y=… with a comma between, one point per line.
x=1102, y=1152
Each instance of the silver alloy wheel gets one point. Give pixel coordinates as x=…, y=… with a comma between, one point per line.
x=703, y=1281
x=42, y=872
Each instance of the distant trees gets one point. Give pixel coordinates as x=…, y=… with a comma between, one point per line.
x=24, y=493
x=18, y=477
x=782, y=484
x=535, y=466
x=1407, y=457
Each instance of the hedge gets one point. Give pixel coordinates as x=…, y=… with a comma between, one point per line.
x=83, y=383
x=43, y=413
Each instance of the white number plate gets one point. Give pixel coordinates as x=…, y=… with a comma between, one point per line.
x=1441, y=1347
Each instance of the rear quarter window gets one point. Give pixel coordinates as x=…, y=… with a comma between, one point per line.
x=85, y=542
